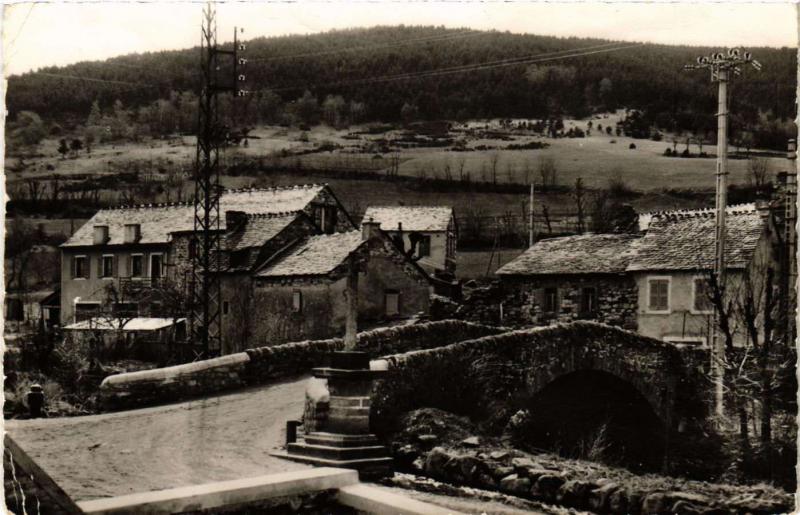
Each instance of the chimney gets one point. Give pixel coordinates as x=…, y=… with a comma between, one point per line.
x=370, y=229
x=100, y=234
x=234, y=219
x=133, y=233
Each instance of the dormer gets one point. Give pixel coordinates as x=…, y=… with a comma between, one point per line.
x=133, y=233
x=100, y=234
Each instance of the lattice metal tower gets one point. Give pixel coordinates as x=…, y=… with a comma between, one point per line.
x=205, y=248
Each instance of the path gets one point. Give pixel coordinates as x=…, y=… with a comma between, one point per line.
x=211, y=439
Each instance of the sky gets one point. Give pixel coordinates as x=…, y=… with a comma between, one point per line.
x=45, y=34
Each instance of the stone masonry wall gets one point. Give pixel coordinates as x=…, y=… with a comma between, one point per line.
x=520, y=301
x=264, y=364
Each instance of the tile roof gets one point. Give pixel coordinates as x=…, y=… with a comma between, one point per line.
x=646, y=218
x=413, y=218
x=157, y=221
x=318, y=255
x=685, y=240
x=259, y=229
x=583, y=254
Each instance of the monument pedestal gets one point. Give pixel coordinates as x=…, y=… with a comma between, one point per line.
x=344, y=439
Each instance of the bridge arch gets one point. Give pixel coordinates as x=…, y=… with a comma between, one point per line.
x=488, y=378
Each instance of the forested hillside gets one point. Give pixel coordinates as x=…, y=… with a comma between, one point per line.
x=377, y=74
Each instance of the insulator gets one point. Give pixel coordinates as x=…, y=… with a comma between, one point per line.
x=242, y=93
x=699, y=60
x=748, y=56
x=719, y=56
x=242, y=47
x=704, y=60
x=242, y=61
x=733, y=52
x=241, y=77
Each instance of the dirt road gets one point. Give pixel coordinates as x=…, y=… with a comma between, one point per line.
x=211, y=439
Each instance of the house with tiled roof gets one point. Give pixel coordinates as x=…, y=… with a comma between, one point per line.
x=428, y=234
x=300, y=292
x=673, y=260
x=579, y=277
x=137, y=248
x=654, y=281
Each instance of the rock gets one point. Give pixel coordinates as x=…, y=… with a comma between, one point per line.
x=685, y=508
x=500, y=472
x=469, y=468
x=664, y=502
x=436, y=462
x=534, y=473
x=472, y=441
x=523, y=463
x=515, y=484
x=618, y=501
x=599, y=498
x=575, y=493
x=427, y=438
x=498, y=455
x=547, y=486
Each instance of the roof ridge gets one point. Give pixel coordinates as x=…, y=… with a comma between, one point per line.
x=184, y=203
x=276, y=188
x=414, y=206
x=705, y=212
x=278, y=214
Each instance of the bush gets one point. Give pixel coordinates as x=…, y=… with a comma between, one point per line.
x=632, y=146
x=668, y=152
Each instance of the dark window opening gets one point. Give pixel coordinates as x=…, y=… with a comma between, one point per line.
x=80, y=270
x=424, y=246
x=392, y=300
x=297, y=301
x=107, y=266
x=155, y=266
x=551, y=300
x=225, y=307
x=136, y=266
x=588, y=301
x=240, y=258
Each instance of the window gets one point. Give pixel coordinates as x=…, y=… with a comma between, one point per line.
x=86, y=310
x=424, y=247
x=392, y=299
x=658, y=294
x=702, y=300
x=156, y=263
x=551, y=300
x=240, y=258
x=588, y=301
x=136, y=268
x=126, y=309
x=297, y=301
x=192, y=248
x=80, y=267
x=225, y=307
x=107, y=267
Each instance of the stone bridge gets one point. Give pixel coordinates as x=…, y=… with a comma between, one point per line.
x=491, y=378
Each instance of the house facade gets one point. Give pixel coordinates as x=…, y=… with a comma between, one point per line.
x=429, y=234
x=135, y=249
x=673, y=262
x=300, y=294
x=571, y=278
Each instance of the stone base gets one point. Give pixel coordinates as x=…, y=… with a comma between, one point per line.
x=360, y=452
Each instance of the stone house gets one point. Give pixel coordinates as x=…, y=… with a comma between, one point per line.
x=674, y=258
x=299, y=293
x=571, y=278
x=139, y=248
x=431, y=231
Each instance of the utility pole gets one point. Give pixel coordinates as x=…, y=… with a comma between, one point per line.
x=204, y=321
x=531, y=234
x=723, y=67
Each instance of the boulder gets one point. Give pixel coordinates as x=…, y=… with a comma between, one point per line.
x=498, y=455
x=599, y=498
x=575, y=493
x=515, y=485
x=547, y=487
x=472, y=441
x=664, y=502
x=427, y=438
x=521, y=464
x=501, y=472
x=534, y=473
x=469, y=468
x=436, y=462
x=618, y=501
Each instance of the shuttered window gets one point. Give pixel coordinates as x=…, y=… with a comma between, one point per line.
x=658, y=294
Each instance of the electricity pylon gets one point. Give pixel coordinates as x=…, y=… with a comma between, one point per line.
x=723, y=67
x=204, y=249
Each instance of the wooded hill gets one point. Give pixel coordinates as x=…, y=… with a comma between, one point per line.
x=363, y=66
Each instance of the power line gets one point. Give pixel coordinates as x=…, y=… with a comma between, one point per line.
x=22, y=26
x=533, y=59
x=89, y=79
x=446, y=37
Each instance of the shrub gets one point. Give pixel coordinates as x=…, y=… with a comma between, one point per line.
x=668, y=152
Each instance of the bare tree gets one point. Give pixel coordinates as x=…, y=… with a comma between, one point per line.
x=758, y=173
x=548, y=171
x=579, y=194
x=494, y=159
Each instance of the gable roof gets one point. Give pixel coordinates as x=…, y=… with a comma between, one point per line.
x=158, y=221
x=259, y=229
x=685, y=241
x=317, y=255
x=413, y=218
x=583, y=254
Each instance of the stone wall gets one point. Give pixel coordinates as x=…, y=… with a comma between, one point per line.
x=263, y=364
x=520, y=301
x=494, y=370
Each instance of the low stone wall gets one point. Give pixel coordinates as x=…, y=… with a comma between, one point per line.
x=264, y=364
x=598, y=488
x=174, y=383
